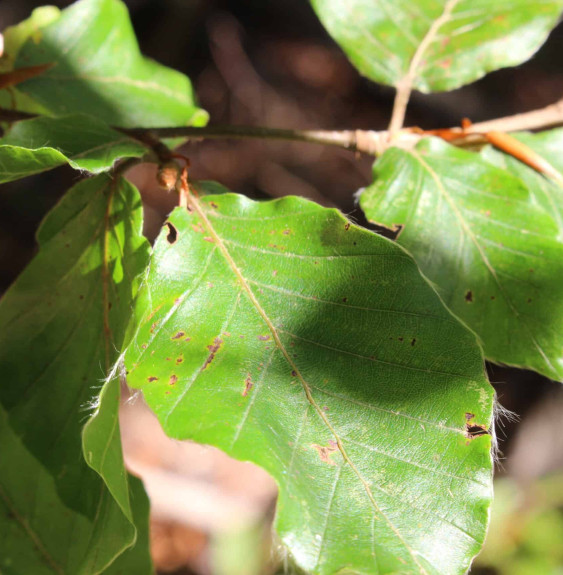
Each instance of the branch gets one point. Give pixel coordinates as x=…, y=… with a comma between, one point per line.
x=368, y=142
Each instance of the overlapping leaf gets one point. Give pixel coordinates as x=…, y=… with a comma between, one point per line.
x=40, y=144
x=285, y=335
x=60, y=326
x=548, y=193
x=486, y=240
x=98, y=69
x=437, y=45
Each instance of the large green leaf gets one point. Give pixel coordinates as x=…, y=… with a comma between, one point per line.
x=485, y=240
x=82, y=141
x=287, y=336
x=437, y=45
x=99, y=70
x=61, y=324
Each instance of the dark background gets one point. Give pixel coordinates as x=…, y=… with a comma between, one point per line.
x=269, y=62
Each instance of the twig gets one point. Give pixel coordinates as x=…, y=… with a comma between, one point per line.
x=365, y=141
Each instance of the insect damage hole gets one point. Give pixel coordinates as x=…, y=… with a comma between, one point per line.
x=172, y=235
x=473, y=430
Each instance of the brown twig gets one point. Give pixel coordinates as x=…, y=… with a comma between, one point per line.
x=365, y=141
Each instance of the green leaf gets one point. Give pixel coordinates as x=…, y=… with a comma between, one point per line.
x=485, y=240
x=40, y=144
x=437, y=45
x=60, y=326
x=287, y=336
x=99, y=70
x=546, y=192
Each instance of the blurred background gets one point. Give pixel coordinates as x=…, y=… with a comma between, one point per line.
x=270, y=63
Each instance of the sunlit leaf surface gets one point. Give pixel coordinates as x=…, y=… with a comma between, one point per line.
x=287, y=336
x=437, y=45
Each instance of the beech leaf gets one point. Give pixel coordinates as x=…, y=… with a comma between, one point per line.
x=287, y=336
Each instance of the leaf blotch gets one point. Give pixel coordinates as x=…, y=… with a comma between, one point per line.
x=248, y=384
x=172, y=235
x=213, y=349
x=325, y=451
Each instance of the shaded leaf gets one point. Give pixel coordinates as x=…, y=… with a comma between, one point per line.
x=100, y=70
x=485, y=240
x=40, y=144
x=60, y=326
x=437, y=45
x=287, y=336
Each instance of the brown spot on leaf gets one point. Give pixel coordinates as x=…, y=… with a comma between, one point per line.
x=413, y=341
x=401, y=339
x=529, y=300
x=179, y=359
x=213, y=349
x=173, y=379
x=493, y=297
x=325, y=451
x=209, y=239
x=263, y=337
x=213, y=205
x=178, y=335
x=152, y=378
x=286, y=232
x=293, y=373
x=344, y=299
x=153, y=326
x=248, y=384
x=469, y=296
x=172, y=235
x=347, y=226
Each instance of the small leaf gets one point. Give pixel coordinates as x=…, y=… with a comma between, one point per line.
x=60, y=326
x=437, y=45
x=79, y=140
x=99, y=70
x=485, y=240
x=287, y=336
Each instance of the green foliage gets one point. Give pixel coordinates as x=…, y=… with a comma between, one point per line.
x=481, y=235
x=99, y=69
x=312, y=328
x=62, y=322
x=437, y=44
x=95, y=147
x=278, y=331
